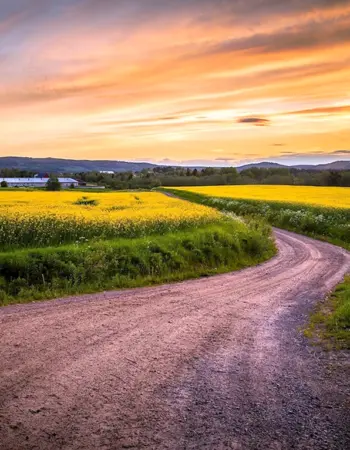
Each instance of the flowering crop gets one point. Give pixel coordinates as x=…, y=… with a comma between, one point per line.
x=331, y=197
x=325, y=217
x=37, y=219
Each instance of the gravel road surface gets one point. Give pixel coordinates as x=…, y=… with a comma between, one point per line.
x=215, y=363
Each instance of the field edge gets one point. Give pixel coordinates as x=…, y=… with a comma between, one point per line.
x=47, y=273
x=329, y=323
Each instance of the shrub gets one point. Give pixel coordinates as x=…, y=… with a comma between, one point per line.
x=53, y=184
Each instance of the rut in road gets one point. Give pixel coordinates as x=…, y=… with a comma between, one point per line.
x=213, y=363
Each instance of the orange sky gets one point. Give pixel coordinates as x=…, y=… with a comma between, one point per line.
x=192, y=81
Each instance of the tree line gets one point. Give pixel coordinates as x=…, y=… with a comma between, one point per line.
x=209, y=176
x=177, y=176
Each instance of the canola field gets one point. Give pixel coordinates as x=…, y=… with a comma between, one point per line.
x=40, y=219
x=330, y=197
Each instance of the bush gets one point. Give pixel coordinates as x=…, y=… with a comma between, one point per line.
x=53, y=184
x=4, y=184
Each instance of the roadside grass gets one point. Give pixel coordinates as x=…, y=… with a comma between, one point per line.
x=330, y=322
x=51, y=272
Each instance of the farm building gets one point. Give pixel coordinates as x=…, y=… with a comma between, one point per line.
x=37, y=182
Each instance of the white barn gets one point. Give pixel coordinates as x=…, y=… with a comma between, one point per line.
x=37, y=182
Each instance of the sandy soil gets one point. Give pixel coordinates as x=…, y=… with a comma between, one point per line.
x=214, y=363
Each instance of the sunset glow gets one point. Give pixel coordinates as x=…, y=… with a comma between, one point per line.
x=198, y=82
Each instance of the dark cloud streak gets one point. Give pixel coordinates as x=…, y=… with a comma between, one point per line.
x=128, y=12
x=323, y=110
x=257, y=121
x=307, y=36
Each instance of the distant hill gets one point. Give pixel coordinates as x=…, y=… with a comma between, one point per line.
x=261, y=165
x=56, y=165
x=336, y=165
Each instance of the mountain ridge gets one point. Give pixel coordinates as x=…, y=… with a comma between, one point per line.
x=72, y=166
x=336, y=165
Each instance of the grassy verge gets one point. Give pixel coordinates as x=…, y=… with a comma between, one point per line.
x=330, y=323
x=34, y=274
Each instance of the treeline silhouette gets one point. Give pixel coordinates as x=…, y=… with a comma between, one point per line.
x=210, y=176
x=177, y=176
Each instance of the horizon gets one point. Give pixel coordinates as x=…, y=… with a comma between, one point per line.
x=183, y=164
x=178, y=82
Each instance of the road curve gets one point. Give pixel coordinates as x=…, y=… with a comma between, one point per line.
x=213, y=363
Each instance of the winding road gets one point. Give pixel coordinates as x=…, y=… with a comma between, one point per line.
x=215, y=363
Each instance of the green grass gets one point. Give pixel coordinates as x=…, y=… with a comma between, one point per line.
x=43, y=273
x=330, y=323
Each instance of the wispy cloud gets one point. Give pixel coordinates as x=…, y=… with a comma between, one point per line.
x=341, y=153
x=257, y=121
x=323, y=110
x=174, y=78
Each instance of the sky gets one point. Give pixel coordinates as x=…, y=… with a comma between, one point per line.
x=210, y=82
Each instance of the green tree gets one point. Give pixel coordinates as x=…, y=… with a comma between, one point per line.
x=345, y=179
x=4, y=184
x=53, y=184
x=334, y=178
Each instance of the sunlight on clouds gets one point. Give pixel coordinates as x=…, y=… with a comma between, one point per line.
x=184, y=80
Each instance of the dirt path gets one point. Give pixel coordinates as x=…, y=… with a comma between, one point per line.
x=208, y=364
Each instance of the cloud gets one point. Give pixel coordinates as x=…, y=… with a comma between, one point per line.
x=238, y=156
x=257, y=121
x=341, y=152
x=172, y=78
x=314, y=154
x=192, y=162
x=168, y=118
x=194, y=11
x=306, y=36
x=322, y=110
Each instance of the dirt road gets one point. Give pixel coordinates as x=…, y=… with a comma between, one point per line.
x=214, y=363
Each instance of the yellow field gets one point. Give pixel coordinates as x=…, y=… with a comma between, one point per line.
x=53, y=218
x=335, y=197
